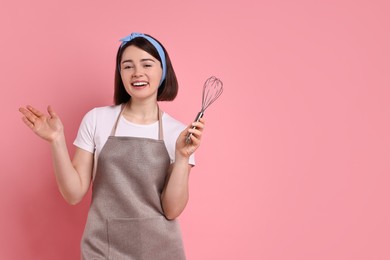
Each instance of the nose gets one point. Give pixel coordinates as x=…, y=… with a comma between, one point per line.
x=136, y=72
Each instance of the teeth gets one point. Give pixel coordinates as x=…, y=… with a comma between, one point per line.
x=139, y=83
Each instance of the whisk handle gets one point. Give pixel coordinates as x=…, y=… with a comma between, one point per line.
x=198, y=117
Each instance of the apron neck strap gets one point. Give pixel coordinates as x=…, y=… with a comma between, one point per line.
x=160, y=126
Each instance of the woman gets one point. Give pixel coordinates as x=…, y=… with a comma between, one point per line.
x=135, y=155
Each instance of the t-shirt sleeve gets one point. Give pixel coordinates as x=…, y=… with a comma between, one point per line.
x=174, y=127
x=85, y=135
x=192, y=160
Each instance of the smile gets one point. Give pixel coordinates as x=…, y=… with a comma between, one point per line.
x=139, y=84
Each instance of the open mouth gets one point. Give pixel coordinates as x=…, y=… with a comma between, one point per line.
x=139, y=84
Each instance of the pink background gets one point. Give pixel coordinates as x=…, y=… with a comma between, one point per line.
x=296, y=157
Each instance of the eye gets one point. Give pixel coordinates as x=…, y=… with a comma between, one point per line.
x=147, y=65
x=126, y=67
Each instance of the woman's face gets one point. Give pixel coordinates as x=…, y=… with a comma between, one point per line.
x=141, y=73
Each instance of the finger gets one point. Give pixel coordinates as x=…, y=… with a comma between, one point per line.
x=195, y=137
x=23, y=111
x=198, y=125
x=51, y=111
x=195, y=143
x=28, y=122
x=35, y=111
x=193, y=147
x=28, y=114
x=189, y=134
x=197, y=132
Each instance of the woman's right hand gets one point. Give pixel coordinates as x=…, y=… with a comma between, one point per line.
x=48, y=127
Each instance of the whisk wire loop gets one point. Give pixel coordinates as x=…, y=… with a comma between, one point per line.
x=212, y=89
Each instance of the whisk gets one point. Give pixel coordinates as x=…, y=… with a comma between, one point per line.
x=212, y=89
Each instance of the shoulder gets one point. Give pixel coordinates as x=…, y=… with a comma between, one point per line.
x=171, y=124
x=102, y=113
x=105, y=111
x=100, y=116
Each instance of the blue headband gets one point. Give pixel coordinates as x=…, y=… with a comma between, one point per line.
x=155, y=44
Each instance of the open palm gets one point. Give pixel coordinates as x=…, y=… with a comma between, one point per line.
x=48, y=127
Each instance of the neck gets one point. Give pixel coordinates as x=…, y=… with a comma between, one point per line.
x=141, y=112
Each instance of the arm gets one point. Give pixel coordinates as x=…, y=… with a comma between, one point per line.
x=73, y=177
x=175, y=194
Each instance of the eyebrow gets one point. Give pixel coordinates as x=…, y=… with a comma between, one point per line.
x=141, y=60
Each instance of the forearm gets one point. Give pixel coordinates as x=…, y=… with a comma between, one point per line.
x=68, y=179
x=176, y=193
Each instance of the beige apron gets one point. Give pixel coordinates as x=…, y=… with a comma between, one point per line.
x=126, y=220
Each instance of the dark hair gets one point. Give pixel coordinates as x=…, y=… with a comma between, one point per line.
x=169, y=87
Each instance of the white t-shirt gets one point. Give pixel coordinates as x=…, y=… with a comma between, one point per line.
x=96, y=126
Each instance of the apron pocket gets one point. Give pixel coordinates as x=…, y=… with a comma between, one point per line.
x=144, y=238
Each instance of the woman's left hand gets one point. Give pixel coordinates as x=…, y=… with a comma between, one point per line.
x=186, y=149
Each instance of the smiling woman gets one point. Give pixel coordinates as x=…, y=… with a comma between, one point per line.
x=135, y=155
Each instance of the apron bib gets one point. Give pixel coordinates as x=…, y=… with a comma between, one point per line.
x=125, y=219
